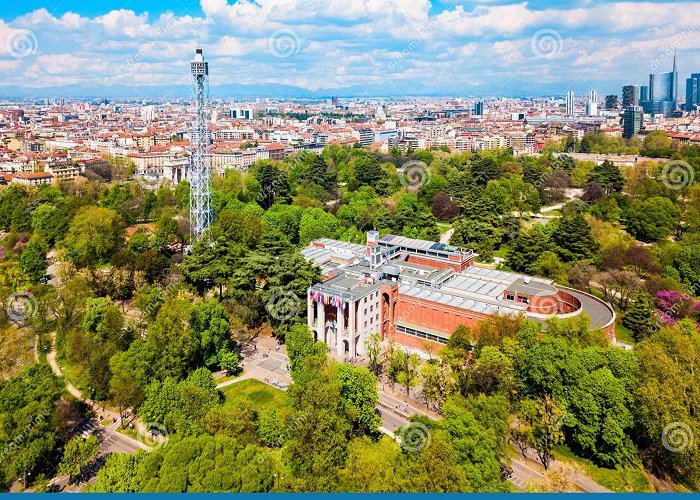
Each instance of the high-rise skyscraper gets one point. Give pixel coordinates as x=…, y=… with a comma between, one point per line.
x=478, y=108
x=632, y=121
x=570, y=109
x=692, y=92
x=631, y=95
x=663, y=92
x=592, y=104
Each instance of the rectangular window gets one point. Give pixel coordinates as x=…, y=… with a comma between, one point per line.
x=420, y=335
x=510, y=296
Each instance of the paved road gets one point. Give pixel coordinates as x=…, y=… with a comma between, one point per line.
x=447, y=236
x=582, y=481
x=270, y=365
x=110, y=438
x=523, y=474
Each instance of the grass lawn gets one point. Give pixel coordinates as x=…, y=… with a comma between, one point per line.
x=444, y=226
x=226, y=378
x=501, y=252
x=630, y=478
x=260, y=394
x=623, y=334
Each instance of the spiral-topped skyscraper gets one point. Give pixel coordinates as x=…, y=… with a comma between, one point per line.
x=200, y=169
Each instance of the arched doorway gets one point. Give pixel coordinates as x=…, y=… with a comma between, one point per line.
x=346, y=347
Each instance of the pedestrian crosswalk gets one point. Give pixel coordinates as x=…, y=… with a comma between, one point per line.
x=86, y=428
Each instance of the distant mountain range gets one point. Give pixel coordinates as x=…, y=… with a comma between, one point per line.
x=513, y=88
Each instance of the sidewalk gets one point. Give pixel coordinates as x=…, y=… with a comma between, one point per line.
x=100, y=412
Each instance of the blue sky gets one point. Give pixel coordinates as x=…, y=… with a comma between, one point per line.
x=338, y=43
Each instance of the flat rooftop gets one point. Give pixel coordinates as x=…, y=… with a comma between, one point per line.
x=422, y=245
x=462, y=300
x=515, y=282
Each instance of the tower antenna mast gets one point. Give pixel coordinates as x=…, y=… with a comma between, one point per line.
x=200, y=168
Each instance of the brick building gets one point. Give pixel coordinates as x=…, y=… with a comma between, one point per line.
x=415, y=290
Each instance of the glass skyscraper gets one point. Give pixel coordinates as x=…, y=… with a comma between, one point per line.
x=663, y=92
x=692, y=92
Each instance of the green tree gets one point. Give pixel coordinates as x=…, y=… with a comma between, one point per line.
x=318, y=172
x=104, y=321
x=27, y=405
x=404, y=366
x=526, y=249
x=476, y=429
x=358, y=387
x=651, y=220
x=94, y=234
x=666, y=396
x=368, y=172
x=33, y=260
x=549, y=266
x=493, y=371
x=49, y=223
x=209, y=322
x=228, y=361
x=373, y=349
x=438, y=383
x=608, y=175
x=656, y=144
x=641, y=318
x=170, y=336
x=212, y=261
x=317, y=223
x=130, y=375
x=573, y=237
x=687, y=263
x=271, y=428
x=414, y=219
x=285, y=219
x=78, y=453
x=318, y=434
x=600, y=418
x=484, y=169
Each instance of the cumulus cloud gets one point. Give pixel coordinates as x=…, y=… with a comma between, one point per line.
x=337, y=43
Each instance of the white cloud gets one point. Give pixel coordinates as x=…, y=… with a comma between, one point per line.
x=346, y=42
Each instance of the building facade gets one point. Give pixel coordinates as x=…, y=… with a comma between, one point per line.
x=692, y=92
x=570, y=107
x=632, y=121
x=416, y=291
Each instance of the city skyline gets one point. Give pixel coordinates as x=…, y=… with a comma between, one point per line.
x=494, y=48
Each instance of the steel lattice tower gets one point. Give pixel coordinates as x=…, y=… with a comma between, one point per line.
x=200, y=168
